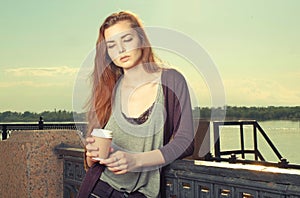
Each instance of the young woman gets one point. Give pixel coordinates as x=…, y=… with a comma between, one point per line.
x=145, y=105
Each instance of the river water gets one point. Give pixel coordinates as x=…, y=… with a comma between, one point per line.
x=285, y=135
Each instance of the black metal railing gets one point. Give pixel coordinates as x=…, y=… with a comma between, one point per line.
x=7, y=128
x=219, y=155
x=258, y=156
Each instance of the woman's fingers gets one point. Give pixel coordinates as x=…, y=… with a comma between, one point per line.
x=90, y=148
x=109, y=161
x=90, y=140
x=91, y=151
x=118, y=170
x=118, y=166
x=91, y=154
x=121, y=172
x=119, y=162
x=111, y=150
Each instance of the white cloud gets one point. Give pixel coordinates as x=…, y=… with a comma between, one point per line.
x=42, y=71
x=31, y=84
x=260, y=91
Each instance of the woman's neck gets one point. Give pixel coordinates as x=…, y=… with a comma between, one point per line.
x=137, y=76
x=135, y=73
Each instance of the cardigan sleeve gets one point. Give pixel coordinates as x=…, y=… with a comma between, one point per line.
x=179, y=129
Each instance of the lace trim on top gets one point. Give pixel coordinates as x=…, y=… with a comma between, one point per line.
x=142, y=118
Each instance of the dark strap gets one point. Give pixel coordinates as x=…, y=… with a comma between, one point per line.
x=90, y=179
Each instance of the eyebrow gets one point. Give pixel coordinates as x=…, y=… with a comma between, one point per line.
x=111, y=41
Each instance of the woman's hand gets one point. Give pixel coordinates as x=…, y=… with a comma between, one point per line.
x=90, y=151
x=122, y=162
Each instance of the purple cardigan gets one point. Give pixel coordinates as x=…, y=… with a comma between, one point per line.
x=178, y=128
x=179, y=121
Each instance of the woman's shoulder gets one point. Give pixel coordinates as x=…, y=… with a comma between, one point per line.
x=170, y=75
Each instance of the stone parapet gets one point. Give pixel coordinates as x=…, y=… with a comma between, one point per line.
x=29, y=167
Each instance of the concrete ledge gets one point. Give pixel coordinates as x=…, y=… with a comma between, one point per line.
x=29, y=166
x=212, y=179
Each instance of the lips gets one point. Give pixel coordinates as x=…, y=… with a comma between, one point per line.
x=124, y=59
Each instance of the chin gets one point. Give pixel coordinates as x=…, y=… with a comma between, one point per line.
x=126, y=65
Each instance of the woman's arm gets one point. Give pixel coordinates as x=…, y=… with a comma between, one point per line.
x=122, y=162
x=179, y=126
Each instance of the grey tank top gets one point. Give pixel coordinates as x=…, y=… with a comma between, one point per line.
x=136, y=138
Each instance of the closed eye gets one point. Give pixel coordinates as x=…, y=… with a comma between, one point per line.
x=128, y=39
x=111, y=46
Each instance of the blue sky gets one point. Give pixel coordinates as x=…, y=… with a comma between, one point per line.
x=254, y=45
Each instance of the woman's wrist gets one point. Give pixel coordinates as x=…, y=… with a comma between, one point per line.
x=150, y=158
x=90, y=161
x=139, y=160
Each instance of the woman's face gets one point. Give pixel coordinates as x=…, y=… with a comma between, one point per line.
x=123, y=45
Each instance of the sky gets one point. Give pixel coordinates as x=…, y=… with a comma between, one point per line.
x=253, y=44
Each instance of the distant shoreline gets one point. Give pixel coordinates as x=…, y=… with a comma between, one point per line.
x=251, y=113
x=228, y=112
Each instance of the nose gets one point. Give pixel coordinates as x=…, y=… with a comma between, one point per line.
x=121, y=48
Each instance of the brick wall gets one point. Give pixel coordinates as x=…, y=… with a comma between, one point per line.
x=28, y=165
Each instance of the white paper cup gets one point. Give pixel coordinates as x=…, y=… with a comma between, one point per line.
x=103, y=140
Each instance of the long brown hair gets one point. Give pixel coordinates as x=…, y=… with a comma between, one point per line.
x=106, y=73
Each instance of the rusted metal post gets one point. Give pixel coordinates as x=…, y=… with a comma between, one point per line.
x=242, y=140
x=4, y=132
x=217, y=140
x=41, y=123
x=255, y=143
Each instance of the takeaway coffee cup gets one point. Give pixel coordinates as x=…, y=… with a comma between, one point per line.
x=103, y=140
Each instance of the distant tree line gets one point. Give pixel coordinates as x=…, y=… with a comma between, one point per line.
x=228, y=112
x=250, y=113
x=48, y=116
